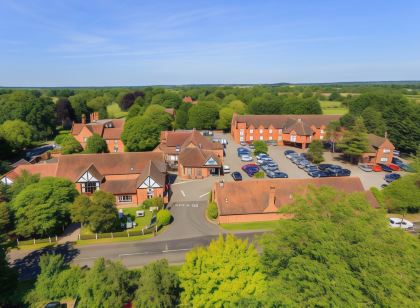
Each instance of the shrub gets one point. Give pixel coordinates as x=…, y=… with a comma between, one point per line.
x=153, y=202
x=164, y=217
x=259, y=175
x=260, y=147
x=212, y=211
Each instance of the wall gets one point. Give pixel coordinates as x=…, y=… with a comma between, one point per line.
x=84, y=133
x=226, y=219
x=205, y=172
x=111, y=144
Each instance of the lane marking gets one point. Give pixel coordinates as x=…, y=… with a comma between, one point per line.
x=86, y=258
x=204, y=194
x=133, y=254
x=183, y=194
x=175, y=250
x=185, y=182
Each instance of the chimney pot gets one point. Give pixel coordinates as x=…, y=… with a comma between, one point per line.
x=83, y=119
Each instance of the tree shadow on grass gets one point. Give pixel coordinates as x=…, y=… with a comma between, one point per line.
x=28, y=266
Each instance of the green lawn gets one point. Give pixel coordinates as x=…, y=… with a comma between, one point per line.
x=259, y=225
x=333, y=108
x=114, y=111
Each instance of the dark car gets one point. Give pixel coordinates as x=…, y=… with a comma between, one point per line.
x=397, y=161
x=288, y=152
x=391, y=177
x=407, y=168
x=250, y=169
x=324, y=166
x=279, y=175
x=237, y=176
x=319, y=174
x=343, y=172
x=385, y=168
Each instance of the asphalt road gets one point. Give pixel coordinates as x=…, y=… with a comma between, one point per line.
x=131, y=254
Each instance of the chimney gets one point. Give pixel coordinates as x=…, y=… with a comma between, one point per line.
x=386, y=134
x=272, y=197
x=83, y=119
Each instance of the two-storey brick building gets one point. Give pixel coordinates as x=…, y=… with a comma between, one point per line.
x=297, y=130
x=380, y=150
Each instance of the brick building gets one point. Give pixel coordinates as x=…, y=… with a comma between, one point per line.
x=380, y=150
x=109, y=129
x=260, y=200
x=297, y=130
x=131, y=177
x=192, y=154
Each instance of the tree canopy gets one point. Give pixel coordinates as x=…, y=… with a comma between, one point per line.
x=354, y=142
x=96, y=144
x=222, y=274
x=16, y=133
x=316, y=151
x=203, y=116
x=331, y=252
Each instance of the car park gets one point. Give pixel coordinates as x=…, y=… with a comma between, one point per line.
x=395, y=222
x=291, y=154
x=324, y=166
x=385, y=168
x=397, y=161
x=311, y=168
x=365, y=167
x=318, y=174
x=333, y=168
x=243, y=151
x=237, y=176
x=303, y=163
x=226, y=169
x=389, y=178
x=246, y=158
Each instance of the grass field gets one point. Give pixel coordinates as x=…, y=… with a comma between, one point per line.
x=259, y=225
x=114, y=111
x=333, y=108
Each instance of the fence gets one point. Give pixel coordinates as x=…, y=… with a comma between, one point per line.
x=127, y=233
x=34, y=241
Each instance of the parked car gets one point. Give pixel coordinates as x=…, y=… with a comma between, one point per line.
x=389, y=178
x=384, y=185
x=223, y=141
x=394, y=167
x=261, y=155
x=250, y=169
x=365, y=167
x=407, y=168
x=287, y=152
x=303, y=163
x=324, y=166
x=207, y=133
x=237, y=176
x=396, y=153
x=246, y=158
x=311, y=168
x=241, y=150
x=226, y=169
x=334, y=168
x=243, y=143
x=397, y=161
x=385, y=168
x=343, y=172
x=319, y=174
x=376, y=168
x=290, y=155
x=395, y=222
x=277, y=175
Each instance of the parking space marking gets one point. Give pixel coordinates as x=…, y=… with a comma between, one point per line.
x=204, y=194
x=133, y=254
x=183, y=194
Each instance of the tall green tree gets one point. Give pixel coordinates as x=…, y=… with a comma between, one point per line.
x=107, y=284
x=80, y=209
x=330, y=253
x=16, y=133
x=354, y=142
x=222, y=274
x=225, y=118
x=96, y=144
x=5, y=218
x=203, y=115
x=21, y=182
x=102, y=213
x=42, y=208
x=403, y=195
x=8, y=279
x=316, y=151
x=374, y=121
x=140, y=134
x=158, y=286
x=69, y=145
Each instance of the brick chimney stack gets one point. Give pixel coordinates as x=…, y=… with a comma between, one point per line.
x=83, y=119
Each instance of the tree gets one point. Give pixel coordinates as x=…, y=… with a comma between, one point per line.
x=333, y=133
x=222, y=274
x=203, y=116
x=5, y=218
x=347, y=120
x=158, y=286
x=225, y=118
x=238, y=106
x=140, y=134
x=316, y=151
x=16, y=133
x=133, y=111
x=21, y=182
x=69, y=145
x=403, y=195
x=335, y=96
x=331, y=251
x=78, y=103
x=181, y=117
x=157, y=115
x=41, y=209
x=107, y=284
x=96, y=144
x=8, y=279
x=64, y=112
x=97, y=103
x=260, y=147
x=156, y=202
x=212, y=211
x=164, y=217
x=128, y=99
x=374, y=121
x=103, y=214
x=80, y=209
x=354, y=142
x=259, y=175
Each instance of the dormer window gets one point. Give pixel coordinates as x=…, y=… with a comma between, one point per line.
x=90, y=187
x=109, y=125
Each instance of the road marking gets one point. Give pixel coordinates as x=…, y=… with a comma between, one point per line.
x=133, y=254
x=185, y=182
x=204, y=194
x=182, y=192
x=86, y=258
x=175, y=250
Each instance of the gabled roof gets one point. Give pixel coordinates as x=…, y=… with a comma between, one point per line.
x=298, y=126
x=93, y=171
x=183, y=138
x=101, y=128
x=196, y=158
x=376, y=141
x=43, y=169
x=154, y=170
x=252, y=197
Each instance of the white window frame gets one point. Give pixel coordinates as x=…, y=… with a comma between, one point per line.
x=270, y=131
x=261, y=138
x=320, y=137
x=251, y=131
x=150, y=193
x=270, y=138
x=261, y=130
x=125, y=199
x=384, y=159
x=322, y=131
x=92, y=188
x=241, y=132
x=251, y=138
x=386, y=150
x=293, y=138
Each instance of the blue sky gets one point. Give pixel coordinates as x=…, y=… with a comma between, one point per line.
x=106, y=43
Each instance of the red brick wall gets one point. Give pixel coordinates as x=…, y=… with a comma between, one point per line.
x=205, y=172
x=84, y=133
x=111, y=144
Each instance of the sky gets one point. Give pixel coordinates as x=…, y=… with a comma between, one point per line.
x=134, y=43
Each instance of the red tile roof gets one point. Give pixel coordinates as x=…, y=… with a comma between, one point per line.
x=196, y=157
x=43, y=169
x=101, y=127
x=252, y=197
